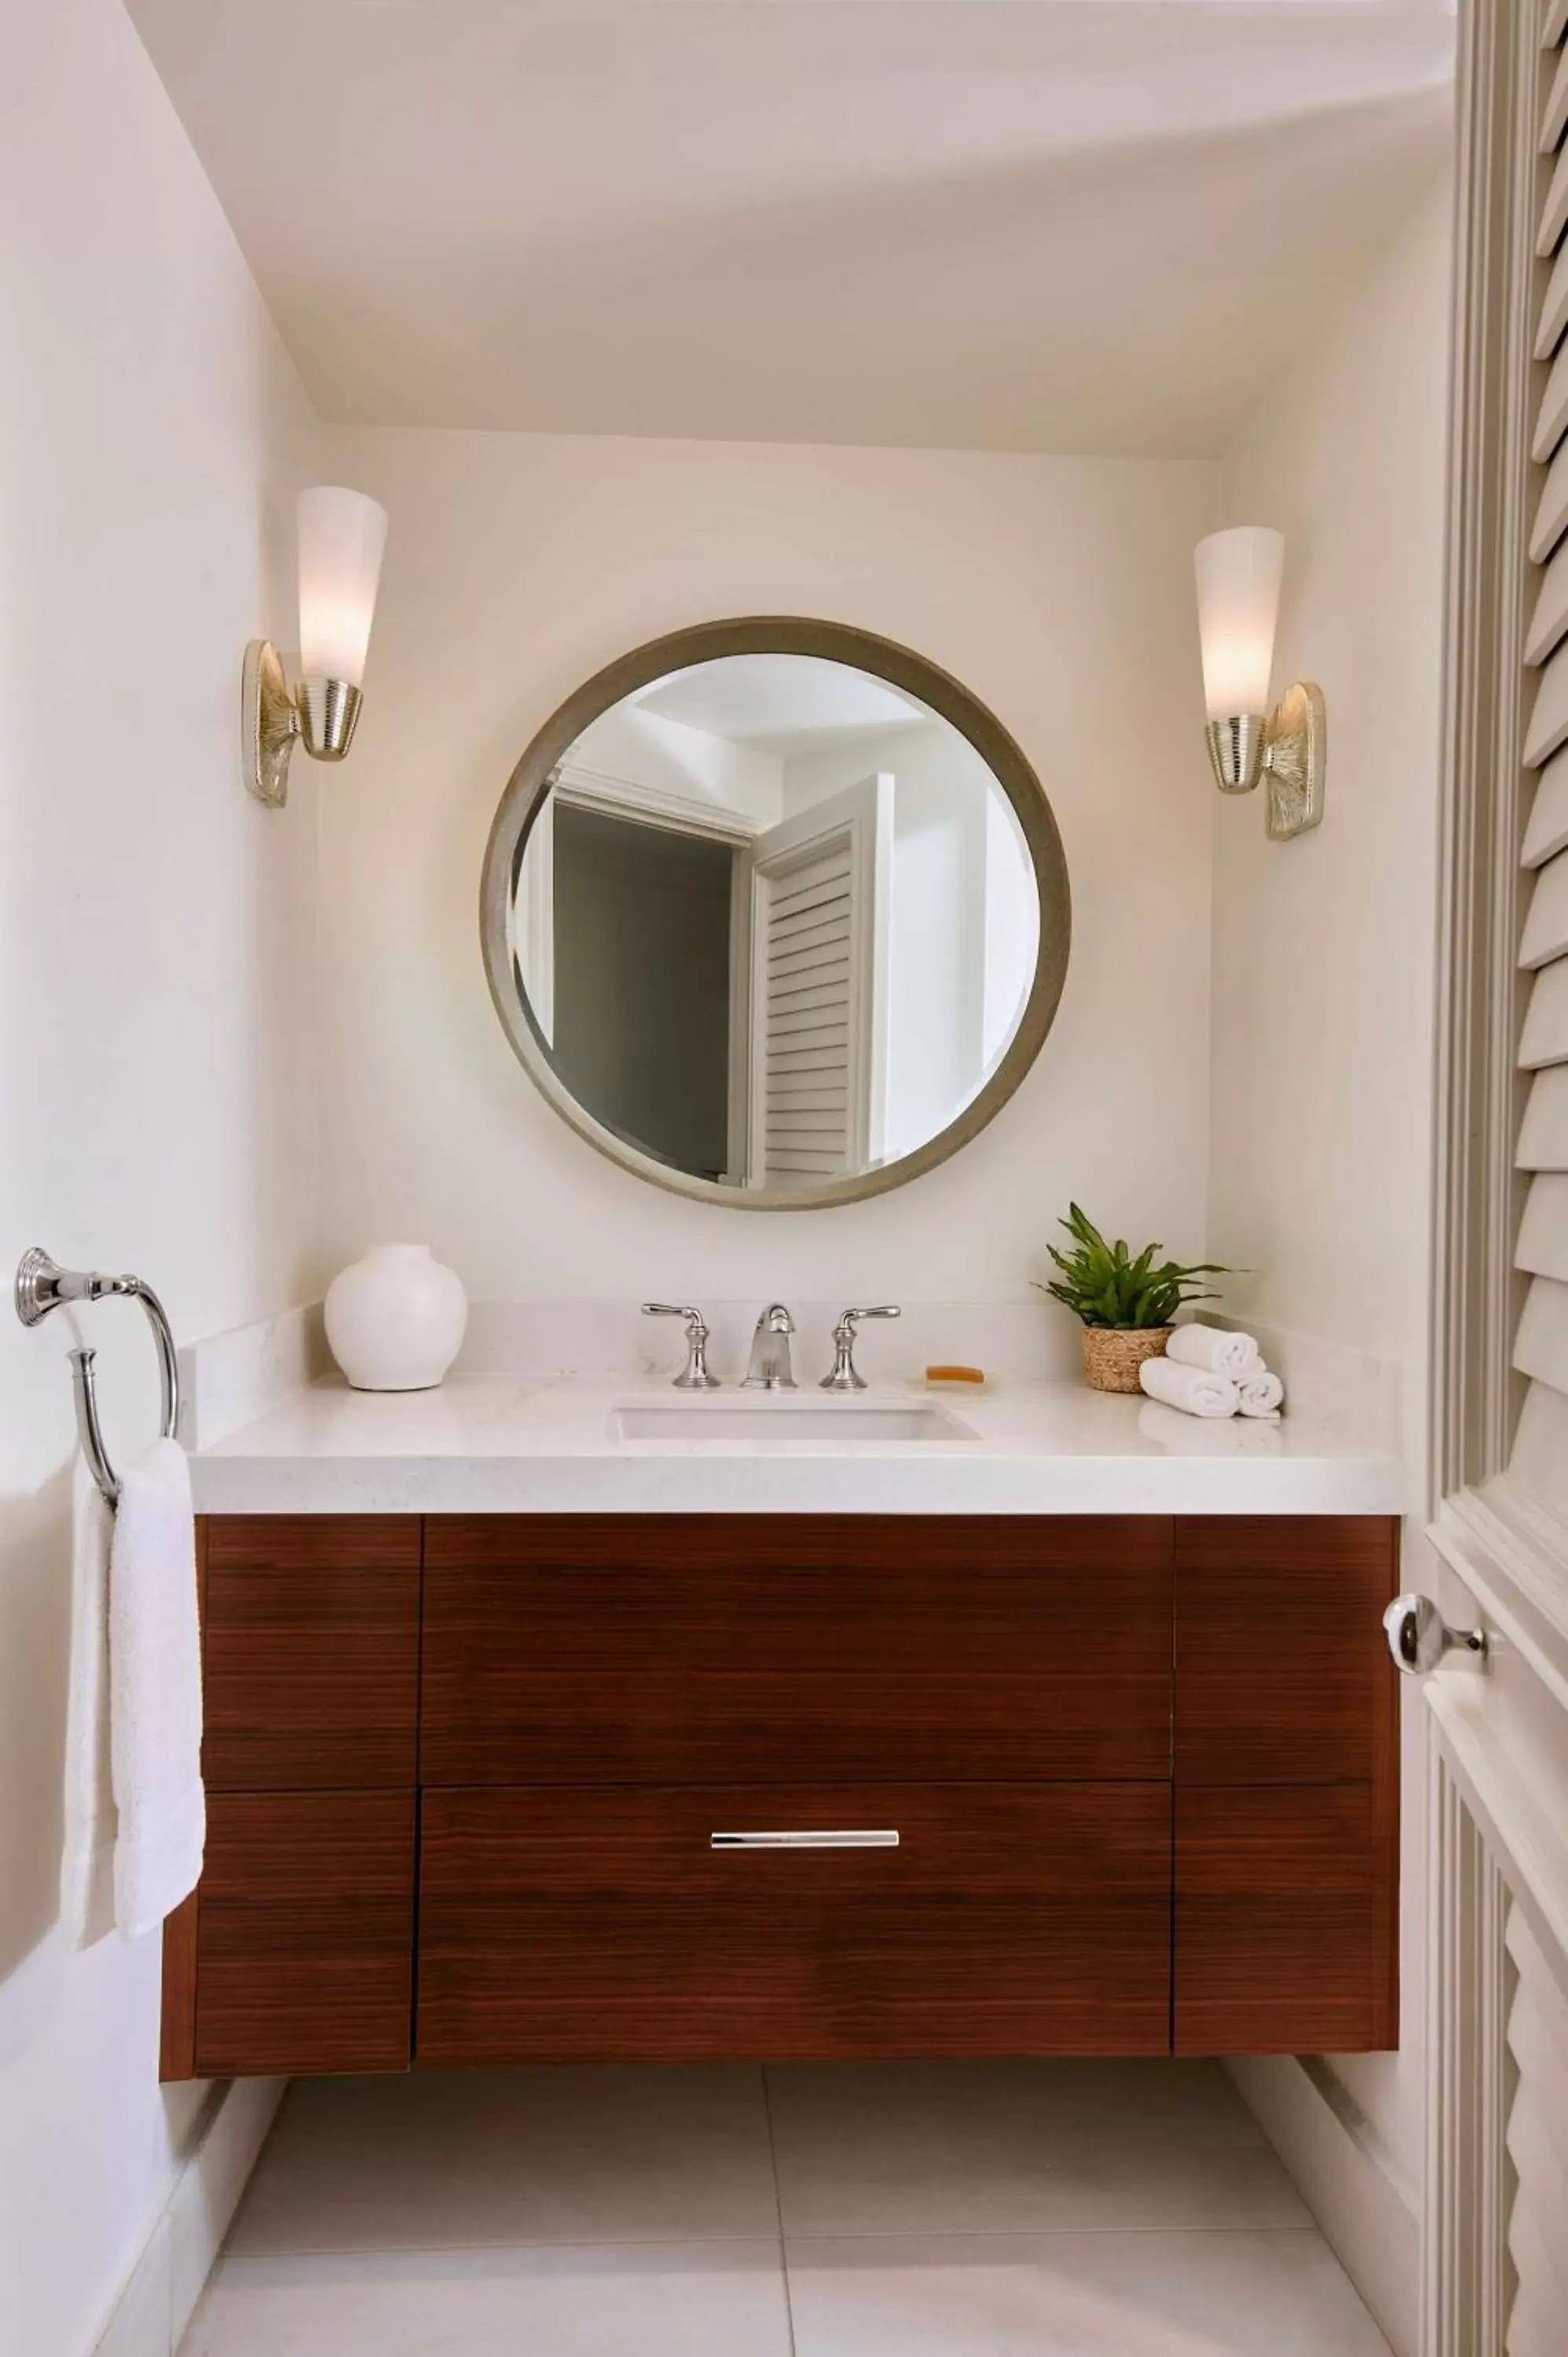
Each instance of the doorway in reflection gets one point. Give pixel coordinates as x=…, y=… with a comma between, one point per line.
x=774, y=922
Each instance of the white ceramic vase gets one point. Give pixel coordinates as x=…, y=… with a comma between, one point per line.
x=395, y=1319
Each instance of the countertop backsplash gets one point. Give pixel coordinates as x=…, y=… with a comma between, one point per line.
x=230, y=1379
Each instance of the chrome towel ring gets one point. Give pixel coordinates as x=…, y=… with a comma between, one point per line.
x=41, y=1286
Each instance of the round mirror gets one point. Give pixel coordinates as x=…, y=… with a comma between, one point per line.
x=775, y=913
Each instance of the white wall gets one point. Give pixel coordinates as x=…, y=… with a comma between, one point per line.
x=1324, y=948
x=155, y=948
x=1059, y=590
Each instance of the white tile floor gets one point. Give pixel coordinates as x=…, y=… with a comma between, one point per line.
x=1009, y=2210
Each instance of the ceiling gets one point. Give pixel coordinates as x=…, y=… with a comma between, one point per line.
x=783, y=705
x=996, y=224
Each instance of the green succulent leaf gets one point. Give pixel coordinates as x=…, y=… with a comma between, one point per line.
x=1103, y=1285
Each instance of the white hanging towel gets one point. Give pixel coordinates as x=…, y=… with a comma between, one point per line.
x=87, y=1862
x=1261, y=1394
x=1188, y=1388
x=155, y=1692
x=1217, y=1350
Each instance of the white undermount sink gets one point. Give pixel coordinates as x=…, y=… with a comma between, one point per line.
x=839, y=1424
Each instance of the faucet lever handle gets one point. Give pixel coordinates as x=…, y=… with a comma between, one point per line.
x=845, y=1376
x=694, y=1376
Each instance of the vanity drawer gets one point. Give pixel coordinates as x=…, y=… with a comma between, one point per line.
x=601, y=1925
x=727, y=1648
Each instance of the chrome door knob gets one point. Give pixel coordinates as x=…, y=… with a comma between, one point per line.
x=1420, y=1638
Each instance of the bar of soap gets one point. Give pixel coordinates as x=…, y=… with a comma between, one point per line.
x=955, y=1375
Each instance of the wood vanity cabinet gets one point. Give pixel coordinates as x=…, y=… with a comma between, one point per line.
x=464, y=1775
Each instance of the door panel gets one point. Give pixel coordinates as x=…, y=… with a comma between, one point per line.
x=820, y=888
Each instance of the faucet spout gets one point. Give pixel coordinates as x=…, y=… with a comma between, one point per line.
x=770, y=1367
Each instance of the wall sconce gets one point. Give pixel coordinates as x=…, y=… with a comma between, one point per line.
x=341, y=537
x=1239, y=576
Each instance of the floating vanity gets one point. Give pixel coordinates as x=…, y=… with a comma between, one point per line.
x=571, y=1720
x=1104, y=1736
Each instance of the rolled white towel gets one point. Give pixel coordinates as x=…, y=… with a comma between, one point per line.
x=1191, y=1389
x=1200, y=1435
x=1215, y=1349
x=1260, y=1394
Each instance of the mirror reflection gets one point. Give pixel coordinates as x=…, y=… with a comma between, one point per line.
x=774, y=922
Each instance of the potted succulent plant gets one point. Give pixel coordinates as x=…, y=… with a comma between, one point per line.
x=1124, y=1307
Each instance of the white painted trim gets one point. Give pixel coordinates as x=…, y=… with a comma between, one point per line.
x=629, y=798
x=1347, y=2180
x=1499, y=1784
x=158, y=2298
x=1464, y=2276
x=1476, y=1295
x=531, y=920
x=1510, y=1557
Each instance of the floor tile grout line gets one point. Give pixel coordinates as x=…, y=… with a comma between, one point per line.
x=778, y=2210
x=1038, y=2233
x=689, y=2241
x=384, y=2250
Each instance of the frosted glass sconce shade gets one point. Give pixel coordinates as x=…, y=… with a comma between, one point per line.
x=341, y=537
x=1238, y=577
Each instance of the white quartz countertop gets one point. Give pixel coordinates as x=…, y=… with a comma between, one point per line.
x=489, y=1444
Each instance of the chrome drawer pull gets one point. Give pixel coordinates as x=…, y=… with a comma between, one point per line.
x=875, y=1837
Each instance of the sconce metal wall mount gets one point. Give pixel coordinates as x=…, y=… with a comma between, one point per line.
x=1289, y=749
x=321, y=715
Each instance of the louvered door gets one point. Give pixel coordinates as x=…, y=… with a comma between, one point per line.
x=1541, y=1350
x=1496, y=1888
x=1536, y=2144
x=818, y=1060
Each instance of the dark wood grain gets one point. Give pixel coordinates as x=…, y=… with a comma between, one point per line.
x=737, y=1649
x=1286, y=1915
x=177, y=2022
x=1282, y=1672
x=311, y=1659
x=571, y=1924
x=306, y=1933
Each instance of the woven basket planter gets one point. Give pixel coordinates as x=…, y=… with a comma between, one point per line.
x=1113, y=1355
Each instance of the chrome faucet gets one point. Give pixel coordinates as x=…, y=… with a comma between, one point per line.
x=770, y=1367
x=846, y=1376
x=695, y=1375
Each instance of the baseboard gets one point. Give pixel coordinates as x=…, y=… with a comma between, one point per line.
x=149, y=2317
x=1348, y=2182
